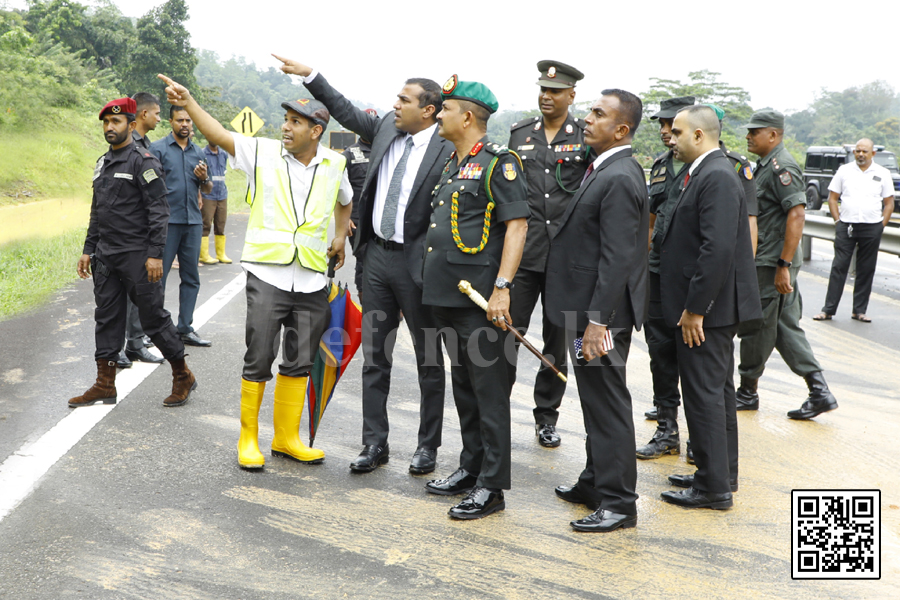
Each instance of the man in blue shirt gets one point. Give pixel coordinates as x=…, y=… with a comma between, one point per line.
x=215, y=207
x=186, y=175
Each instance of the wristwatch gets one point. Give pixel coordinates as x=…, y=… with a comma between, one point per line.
x=205, y=181
x=783, y=263
x=502, y=284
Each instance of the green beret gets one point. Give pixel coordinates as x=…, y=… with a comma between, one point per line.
x=720, y=114
x=472, y=91
x=766, y=117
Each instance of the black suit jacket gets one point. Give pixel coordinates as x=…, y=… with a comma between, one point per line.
x=706, y=256
x=382, y=132
x=598, y=255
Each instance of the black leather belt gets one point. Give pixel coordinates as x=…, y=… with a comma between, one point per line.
x=387, y=244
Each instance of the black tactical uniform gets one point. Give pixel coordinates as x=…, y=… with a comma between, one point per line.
x=480, y=383
x=357, y=156
x=553, y=172
x=129, y=216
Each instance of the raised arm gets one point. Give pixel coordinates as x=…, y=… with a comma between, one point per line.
x=212, y=130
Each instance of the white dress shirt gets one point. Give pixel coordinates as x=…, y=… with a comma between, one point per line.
x=292, y=277
x=699, y=160
x=386, y=173
x=862, y=192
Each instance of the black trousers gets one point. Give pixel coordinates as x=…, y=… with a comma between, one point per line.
x=388, y=288
x=865, y=239
x=134, y=332
x=707, y=378
x=481, y=391
x=117, y=276
x=304, y=317
x=661, y=345
x=610, y=472
x=548, y=388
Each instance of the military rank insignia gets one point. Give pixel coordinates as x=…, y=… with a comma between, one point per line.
x=569, y=128
x=748, y=173
x=470, y=171
x=149, y=175
x=509, y=172
x=567, y=148
x=451, y=84
x=785, y=178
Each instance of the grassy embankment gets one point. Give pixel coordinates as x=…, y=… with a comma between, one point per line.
x=56, y=163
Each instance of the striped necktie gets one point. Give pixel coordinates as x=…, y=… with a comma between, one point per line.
x=389, y=214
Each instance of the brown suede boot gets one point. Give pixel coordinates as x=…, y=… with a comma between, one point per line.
x=183, y=383
x=103, y=390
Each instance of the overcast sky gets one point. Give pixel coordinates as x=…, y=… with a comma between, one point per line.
x=782, y=52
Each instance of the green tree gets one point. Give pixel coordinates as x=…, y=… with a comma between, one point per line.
x=163, y=46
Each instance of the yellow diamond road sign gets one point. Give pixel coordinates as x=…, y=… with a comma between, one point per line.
x=247, y=122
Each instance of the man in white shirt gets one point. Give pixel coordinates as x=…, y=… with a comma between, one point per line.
x=294, y=188
x=394, y=215
x=861, y=199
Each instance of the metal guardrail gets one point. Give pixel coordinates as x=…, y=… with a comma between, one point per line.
x=820, y=225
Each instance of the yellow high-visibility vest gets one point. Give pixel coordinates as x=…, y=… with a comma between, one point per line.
x=277, y=231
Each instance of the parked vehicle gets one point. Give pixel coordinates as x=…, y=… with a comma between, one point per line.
x=822, y=163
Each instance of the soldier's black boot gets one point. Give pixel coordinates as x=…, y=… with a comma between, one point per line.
x=820, y=398
x=746, y=396
x=665, y=440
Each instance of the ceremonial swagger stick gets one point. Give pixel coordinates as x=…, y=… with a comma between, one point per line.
x=466, y=288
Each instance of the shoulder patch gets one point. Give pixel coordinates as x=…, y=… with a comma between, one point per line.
x=785, y=178
x=747, y=172
x=149, y=175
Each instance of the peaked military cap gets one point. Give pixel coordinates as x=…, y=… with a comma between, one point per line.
x=313, y=110
x=555, y=74
x=120, y=106
x=472, y=91
x=669, y=108
x=766, y=117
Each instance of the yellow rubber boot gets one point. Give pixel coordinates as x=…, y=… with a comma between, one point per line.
x=220, y=250
x=205, y=258
x=290, y=397
x=249, y=456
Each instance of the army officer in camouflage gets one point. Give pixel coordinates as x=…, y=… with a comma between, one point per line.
x=782, y=208
x=554, y=158
x=477, y=233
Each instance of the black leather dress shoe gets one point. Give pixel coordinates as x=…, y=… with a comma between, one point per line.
x=480, y=502
x=602, y=520
x=123, y=362
x=686, y=481
x=192, y=339
x=547, y=436
x=148, y=343
x=423, y=461
x=570, y=493
x=460, y=481
x=370, y=458
x=143, y=355
x=694, y=498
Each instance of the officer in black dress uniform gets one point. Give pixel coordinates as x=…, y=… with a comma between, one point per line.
x=123, y=251
x=477, y=233
x=554, y=158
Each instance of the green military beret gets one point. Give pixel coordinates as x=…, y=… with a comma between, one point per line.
x=766, y=117
x=472, y=91
x=555, y=74
x=720, y=114
x=670, y=107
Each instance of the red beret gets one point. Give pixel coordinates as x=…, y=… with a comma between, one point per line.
x=120, y=106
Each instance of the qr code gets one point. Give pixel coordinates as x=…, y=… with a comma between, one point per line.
x=836, y=534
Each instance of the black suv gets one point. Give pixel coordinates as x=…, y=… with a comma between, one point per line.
x=822, y=163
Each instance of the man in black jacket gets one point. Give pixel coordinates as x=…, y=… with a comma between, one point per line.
x=707, y=277
x=597, y=282
x=394, y=211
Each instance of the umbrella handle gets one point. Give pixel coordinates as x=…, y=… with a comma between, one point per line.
x=332, y=263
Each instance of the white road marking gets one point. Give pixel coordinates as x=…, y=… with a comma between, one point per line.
x=21, y=472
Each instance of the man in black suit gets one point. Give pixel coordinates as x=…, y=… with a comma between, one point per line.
x=597, y=281
x=708, y=279
x=394, y=212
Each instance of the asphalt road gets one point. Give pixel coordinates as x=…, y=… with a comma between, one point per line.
x=151, y=504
